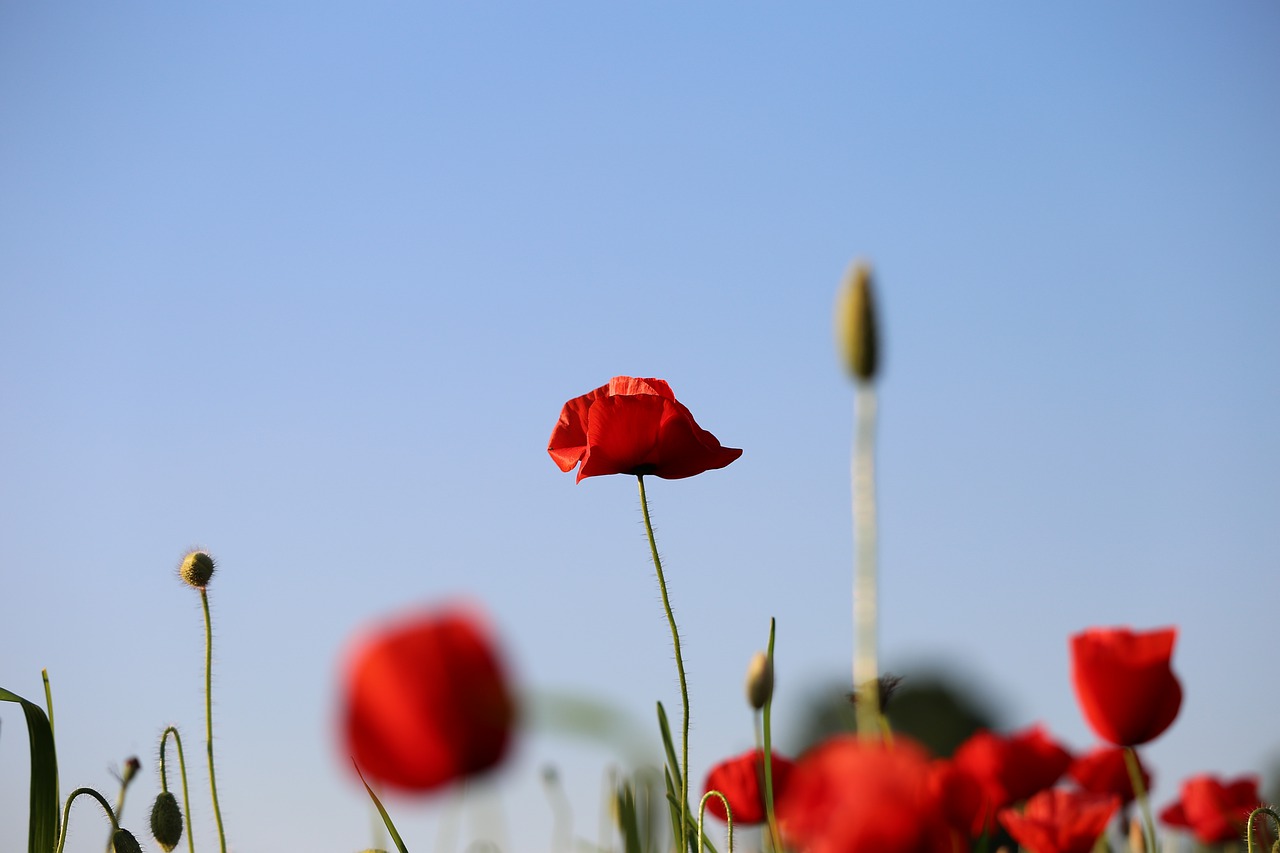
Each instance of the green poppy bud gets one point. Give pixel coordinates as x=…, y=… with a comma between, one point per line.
x=759, y=681
x=196, y=569
x=166, y=821
x=856, y=333
x=131, y=767
x=122, y=841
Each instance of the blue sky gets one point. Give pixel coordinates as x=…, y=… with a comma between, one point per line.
x=307, y=285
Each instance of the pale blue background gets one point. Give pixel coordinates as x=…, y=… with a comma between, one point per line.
x=307, y=285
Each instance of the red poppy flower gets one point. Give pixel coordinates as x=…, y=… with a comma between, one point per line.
x=960, y=796
x=850, y=794
x=1060, y=821
x=1122, y=678
x=634, y=426
x=741, y=780
x=1010, y=768
x=426, y=701
x=1214, y=810
x=1104, y=771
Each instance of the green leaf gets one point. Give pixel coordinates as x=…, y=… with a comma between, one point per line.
x=627, y=822
x=386, y=818
x=669, y=745
x=42, y=818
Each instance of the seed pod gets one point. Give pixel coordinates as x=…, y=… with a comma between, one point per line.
x=759, y=681
x=856, y=333
x=196, y=569
x=166, y=821
x=122, y=841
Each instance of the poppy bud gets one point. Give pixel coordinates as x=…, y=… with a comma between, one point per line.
x=856, y=333
x=196, y=569
x=759, y=681
x=166, y=821
x=122, y=841
x=131, y=767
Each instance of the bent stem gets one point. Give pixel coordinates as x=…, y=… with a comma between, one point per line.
x=684, y=689
x=1140, y=791
x=182, y=771
x=208, y=715
x=728, y=817
x=66, y=813
x=865, y=668
x=1248, y=836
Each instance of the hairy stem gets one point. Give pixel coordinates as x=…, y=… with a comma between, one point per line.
x=208, y=715
x=684, y=689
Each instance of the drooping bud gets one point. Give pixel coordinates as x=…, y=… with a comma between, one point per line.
x=759, y=680
x=196, y=569
x=122, y=841
x=166, y=821
x=856, y=334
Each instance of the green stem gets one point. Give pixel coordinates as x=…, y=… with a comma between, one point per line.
x=684, y=689
x=1248, y=837
x=66, y=813
x=208, y=714
x=1140, y=791
x=182, y=771
x=728, y=817
x=774, y=837
x=865, y=667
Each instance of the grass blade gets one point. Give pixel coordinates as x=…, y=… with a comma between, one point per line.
x=386, y=818
x=42, y=818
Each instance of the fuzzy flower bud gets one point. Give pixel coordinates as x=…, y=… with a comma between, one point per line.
x=122, y=841
x=166, y=821
x=131, y=767
x=759, y=680
x=856, y=333
x=196, y=569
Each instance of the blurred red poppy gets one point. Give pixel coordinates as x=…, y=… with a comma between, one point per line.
x=1061, y=821
x=1214, y=810
x=1124, y=682
x=426, y=701
x=634, y=426
x=850, y=794
x=1104, y=771
x=741, y=780
x=1010, y=768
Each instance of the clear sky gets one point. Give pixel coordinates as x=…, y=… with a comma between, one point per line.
x=307, y=284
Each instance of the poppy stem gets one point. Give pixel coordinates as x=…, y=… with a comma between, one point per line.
x=1248, y=838
x=1140, y=792
x=865, y=668
x=728, y=817
x=208, y=714
x=182, y=771
x=66, y=813
x=684, y=688
x=774, y=838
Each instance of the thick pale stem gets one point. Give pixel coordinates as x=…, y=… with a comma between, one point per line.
x=865, y=667
x=684, y=689
x=208, y=715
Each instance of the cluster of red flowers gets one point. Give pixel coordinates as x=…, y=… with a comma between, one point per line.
x=426, y=702
x=850, y=794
